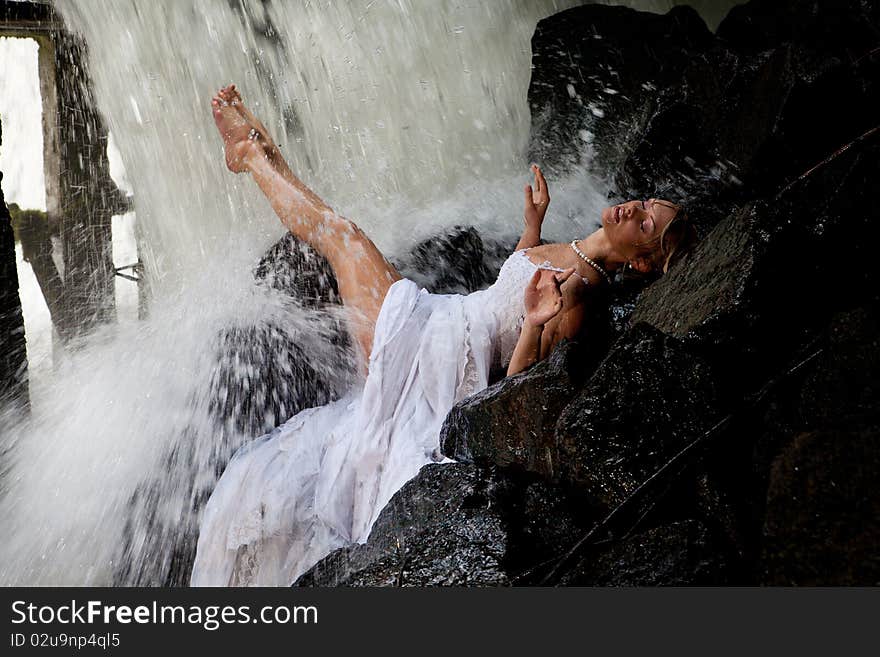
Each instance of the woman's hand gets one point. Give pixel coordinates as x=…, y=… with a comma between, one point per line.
x=543, y=296
x=537, y=200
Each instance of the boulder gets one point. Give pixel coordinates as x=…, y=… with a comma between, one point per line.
x=769, y=276
x=845, y=29
x=646, y=401
x=822, y=522
x=513, y=422
x=678, y=554
x=458, y=525
x=596, y=71
x=458, y=261
x=713, y=121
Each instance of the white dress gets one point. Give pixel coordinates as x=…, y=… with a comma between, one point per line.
x=319, y=481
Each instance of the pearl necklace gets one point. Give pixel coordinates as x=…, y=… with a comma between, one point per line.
x=583, y=256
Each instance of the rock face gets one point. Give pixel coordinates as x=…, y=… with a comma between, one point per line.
x=769, y=275
x=679, y=554
x=458, y=525
x=583, y=93
x=440, y=528
x=730, y=434
x=645, y=401
x=820, y=527
x=513, y=422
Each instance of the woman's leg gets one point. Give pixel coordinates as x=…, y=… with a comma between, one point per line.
x=362, y=272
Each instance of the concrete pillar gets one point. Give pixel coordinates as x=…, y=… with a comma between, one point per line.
x=81, y=197
x=13, y=351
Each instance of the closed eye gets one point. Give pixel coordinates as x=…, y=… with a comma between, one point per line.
x=647, y=226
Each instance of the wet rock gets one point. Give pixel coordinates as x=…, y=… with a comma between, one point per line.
x=821, y=526
x=845, y=381
x=458, y=261
x=845, y=29
x=769, y=276
x=679, y=554
x=439, y=529
x=455, y=525
x=784, y=85
x=832, y=390
x=842, y=382
x=594, y=85
x=513, y=422
x=295, y=268
x=648, y=399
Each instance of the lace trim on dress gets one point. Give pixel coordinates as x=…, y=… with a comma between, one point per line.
x=468, y=378
x=549, y=265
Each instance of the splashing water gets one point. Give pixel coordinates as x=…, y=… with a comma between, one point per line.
x=408, y=117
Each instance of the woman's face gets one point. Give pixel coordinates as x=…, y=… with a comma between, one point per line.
x=631, y=225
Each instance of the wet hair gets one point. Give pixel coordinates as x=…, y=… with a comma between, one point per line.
x=676, y=238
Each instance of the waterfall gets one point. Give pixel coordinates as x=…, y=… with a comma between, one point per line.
x=408, y=116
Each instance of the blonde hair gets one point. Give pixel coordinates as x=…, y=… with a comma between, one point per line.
x=674, y=240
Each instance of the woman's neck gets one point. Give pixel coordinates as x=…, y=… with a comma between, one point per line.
x=597, y=246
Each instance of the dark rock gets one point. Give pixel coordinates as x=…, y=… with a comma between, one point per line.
x=595, y=73
x=680, y=554
x=454, y=525
x=834, y=387
x=769, y=276
x=845, y=381
x=440, y=528
x=822, y=523
x=512, y=423
x=842, y=382
x=845, y=29
x=459, y=261
x=295, y=268
x=738, y=127
x=648, y=399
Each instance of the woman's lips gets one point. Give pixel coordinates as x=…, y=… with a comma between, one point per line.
x=617, y=214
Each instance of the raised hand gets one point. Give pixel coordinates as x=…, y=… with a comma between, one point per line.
x=543, y=296
x=537, y=200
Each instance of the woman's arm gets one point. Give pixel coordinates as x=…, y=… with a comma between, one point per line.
x=535, y=208
x=528, y=349
x=543, y=300
x=537, y=340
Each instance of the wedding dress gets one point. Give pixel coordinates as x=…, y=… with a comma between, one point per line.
x=319, y=481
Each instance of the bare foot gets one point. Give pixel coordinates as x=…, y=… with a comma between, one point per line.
x=273, y=153
x=243, y=140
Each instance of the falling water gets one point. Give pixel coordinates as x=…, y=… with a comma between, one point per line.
x=406, y=116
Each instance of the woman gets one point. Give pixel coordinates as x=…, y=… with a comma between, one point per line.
x=319, y=481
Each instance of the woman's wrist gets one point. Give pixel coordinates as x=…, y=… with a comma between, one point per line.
x=532, y=233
